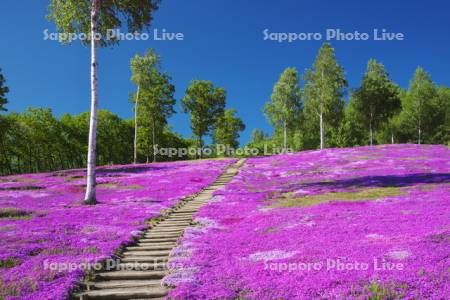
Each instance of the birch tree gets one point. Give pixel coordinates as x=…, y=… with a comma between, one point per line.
x=142, y=68
x=96, y=19
x=157, y=99
x=285, y=104
x=419, y=104
x=377, y=99
x=324, y=90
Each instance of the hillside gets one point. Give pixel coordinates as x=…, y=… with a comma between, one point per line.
x=333, y=224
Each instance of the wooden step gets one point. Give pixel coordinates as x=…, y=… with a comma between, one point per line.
x=130, y=275
x=164, y=230
x=142, y=266
x=144, y=259
x=111, y=284
x=185, y=211
x=158, y=239
x=157, y=232
x=154, y=243
x=146, y=253
x=185, y=219
x=174, y=223
x=125, y=293
x=169, y=226
x=145, y=248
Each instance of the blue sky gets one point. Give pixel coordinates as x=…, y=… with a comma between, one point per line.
x=223, y=42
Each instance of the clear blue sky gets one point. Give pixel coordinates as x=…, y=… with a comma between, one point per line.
x=223, y=42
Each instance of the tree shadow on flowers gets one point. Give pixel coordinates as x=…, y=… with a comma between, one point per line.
x=383, y=181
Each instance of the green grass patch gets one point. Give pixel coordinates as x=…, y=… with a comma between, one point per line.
x=382, y=292
x=14, y=213
x=428, y=187
x=132, y=187
x=363, y=195
x=74, y=177
x=9, y=262
x=363, y=157
x=107, y=185
x=22, y=188
x=414, y=158
x=19, y=179
x=92, y=250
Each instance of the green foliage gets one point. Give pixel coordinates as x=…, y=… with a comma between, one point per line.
x=323, y=95
x=155, y=98
x=377, y=99
x=384, y=292
x=111, y=132
x=351, y=131
x=74, y=16
x=143, y=68
x=14, y=213
x=377, y=111
x=9, y=262
x=205, y=104
x=422, y=109
x=36, y=141
x=259, y=140
x=441, y=120
x=285, y=105
x=3, y=91
x=227, y=129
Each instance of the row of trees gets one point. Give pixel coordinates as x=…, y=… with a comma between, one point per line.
x=36, y=141
x=154, y=103
x=378, y=111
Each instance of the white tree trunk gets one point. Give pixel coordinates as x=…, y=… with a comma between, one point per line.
x=136, y=105
x=392, y=138
x=322, y=133
x=154, y=141
x=371, y=133
x=200, y=142
x=420, y=133
x=90, y=197
x=284, y=137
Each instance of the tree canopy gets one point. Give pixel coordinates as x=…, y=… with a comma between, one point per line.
x=283, y=109
x=323, y=94
x=3, y=91
x=74, y=16
x=205, y=104
x=227, y=129
x=377, y=99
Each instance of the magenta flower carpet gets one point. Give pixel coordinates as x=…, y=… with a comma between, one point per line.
x=359, y=223
x=43, y=222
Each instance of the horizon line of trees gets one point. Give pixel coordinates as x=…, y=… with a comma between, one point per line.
x=36, y=141
x=315, y=116
x=377, y=112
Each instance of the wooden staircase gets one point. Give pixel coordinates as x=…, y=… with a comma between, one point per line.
x=141, y=267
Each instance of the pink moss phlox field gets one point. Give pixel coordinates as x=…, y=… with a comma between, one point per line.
x=45, y=228
x=380, y=227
